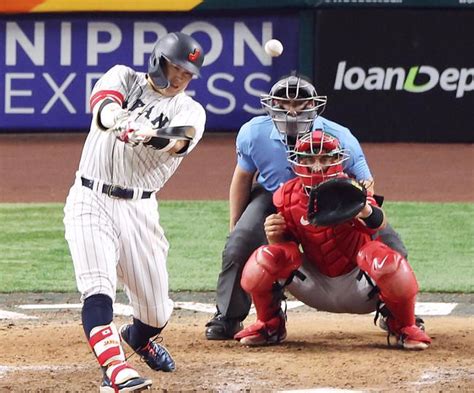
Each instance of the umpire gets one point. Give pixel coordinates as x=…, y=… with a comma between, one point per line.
x=293, y=107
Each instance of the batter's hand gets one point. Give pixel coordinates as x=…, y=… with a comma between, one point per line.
x=130, y=135
x=128, y=131
x=275, y=228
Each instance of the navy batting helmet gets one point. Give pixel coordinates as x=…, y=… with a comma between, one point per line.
x=177, y=48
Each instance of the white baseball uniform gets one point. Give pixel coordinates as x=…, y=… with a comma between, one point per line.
x=111, y=238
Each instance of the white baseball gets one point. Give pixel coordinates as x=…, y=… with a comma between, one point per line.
x=273, y=48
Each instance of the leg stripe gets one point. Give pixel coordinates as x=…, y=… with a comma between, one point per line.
x=100, y=335
x=107, y=355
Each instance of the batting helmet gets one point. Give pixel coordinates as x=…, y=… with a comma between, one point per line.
x=177, y=48
x=297, y=91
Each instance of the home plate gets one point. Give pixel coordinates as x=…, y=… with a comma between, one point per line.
x=434, y=308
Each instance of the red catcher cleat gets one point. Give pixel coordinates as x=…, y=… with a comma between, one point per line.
x=264, y=333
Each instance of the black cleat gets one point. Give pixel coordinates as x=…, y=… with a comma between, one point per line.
x=222, y=328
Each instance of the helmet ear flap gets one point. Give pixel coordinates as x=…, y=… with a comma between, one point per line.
x=156, y=67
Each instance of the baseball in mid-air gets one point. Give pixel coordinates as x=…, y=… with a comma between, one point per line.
x=273, y=48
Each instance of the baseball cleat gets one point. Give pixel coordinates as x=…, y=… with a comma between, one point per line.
x=133, y=385
x=156, y=356
x=263, y=333
x=408, y=337
x=222, y=328
x=412, y=337
x=121, y=377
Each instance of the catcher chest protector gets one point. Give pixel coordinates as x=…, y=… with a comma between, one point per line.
x=332, y=250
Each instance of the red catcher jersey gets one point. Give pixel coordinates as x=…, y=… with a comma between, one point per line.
x=332, y=250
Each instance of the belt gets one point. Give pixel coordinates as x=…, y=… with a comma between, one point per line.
x=115, y=191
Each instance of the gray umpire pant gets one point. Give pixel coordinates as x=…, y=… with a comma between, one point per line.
x=248, y=234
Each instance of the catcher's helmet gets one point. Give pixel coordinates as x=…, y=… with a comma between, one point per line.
x=298, y=91
x=317, y=156
x=177, y=48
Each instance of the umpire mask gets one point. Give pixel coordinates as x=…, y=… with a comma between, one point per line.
x=293, y=104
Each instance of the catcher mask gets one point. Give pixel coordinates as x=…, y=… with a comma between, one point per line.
x=293, y=104
x=317, y=157
x=177, y=48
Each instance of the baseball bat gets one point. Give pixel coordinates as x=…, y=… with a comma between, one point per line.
x=186, y=133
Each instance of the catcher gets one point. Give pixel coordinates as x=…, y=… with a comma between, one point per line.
x=341, y=269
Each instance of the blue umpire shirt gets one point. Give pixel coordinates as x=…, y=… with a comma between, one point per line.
x=260, y=149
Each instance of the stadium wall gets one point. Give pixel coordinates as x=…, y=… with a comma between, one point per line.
x=394, y=71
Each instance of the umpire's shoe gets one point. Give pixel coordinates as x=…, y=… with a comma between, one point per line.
x=222, y=328
x=156, y=356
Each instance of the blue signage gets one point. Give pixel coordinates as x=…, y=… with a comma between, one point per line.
x=49, y=63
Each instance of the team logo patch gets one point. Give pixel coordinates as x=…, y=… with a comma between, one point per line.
x=195, y=55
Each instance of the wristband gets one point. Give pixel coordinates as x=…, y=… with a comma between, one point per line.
x=375, y=219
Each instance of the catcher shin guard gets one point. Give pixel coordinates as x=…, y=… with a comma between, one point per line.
x=265, y=266
x=394, y=277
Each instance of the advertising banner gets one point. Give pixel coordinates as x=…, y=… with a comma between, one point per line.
x=49, y=63
x=398, y=75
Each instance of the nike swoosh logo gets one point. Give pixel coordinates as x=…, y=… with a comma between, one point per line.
x=304, y=221
x=379, y=265
x=265, y=249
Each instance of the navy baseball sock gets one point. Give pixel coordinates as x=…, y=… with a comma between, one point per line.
x=139, y=333
x=96, y=311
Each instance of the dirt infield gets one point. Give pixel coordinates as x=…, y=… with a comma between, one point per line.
x=322, y=350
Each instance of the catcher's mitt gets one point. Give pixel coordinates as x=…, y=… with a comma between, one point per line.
x=336, y=201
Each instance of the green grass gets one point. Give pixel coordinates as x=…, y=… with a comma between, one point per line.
x=440, y=242
x=34, y=255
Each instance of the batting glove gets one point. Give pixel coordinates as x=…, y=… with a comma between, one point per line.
x=128, y=131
